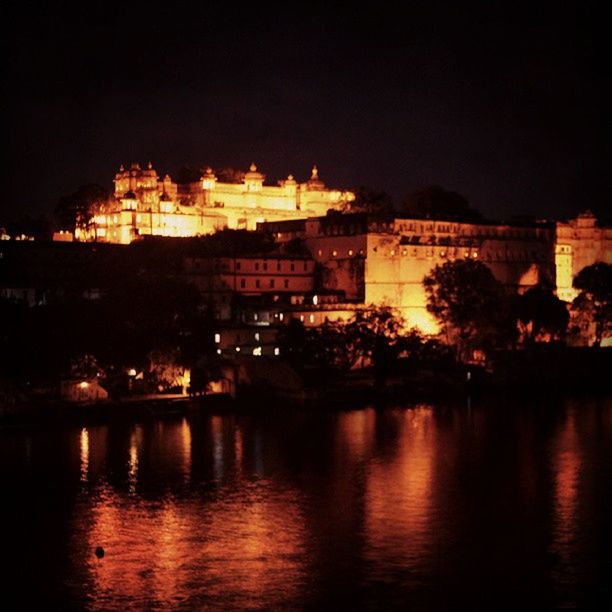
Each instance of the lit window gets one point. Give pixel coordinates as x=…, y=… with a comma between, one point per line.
x=334, y=253
x=350, y=252
x=302, y=318
x=276, y=350
x=257, y=336
x=257, y=351
x=311, y=318
x=218, y=351
x=237, y=349
x=315, y=299
x=280, y=316
x=217, y=338
x=255, y=316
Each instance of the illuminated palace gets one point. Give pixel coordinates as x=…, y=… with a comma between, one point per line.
x=144, y=204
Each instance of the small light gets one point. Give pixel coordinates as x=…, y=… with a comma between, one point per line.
x=218, y=351
x=311, y=318
x=315, y=299
x=237, y=349
x=280, y=316
x=84, y=384
x=217, y=338
x=257, y=336
x=276, y=350
x=131, y=372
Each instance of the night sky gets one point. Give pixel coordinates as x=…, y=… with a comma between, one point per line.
x=504, y=103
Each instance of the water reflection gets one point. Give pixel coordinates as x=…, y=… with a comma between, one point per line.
x=84, y=450
x=419, y=507
x=399, y=496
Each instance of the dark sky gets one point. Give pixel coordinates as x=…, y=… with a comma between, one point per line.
x=501, y=102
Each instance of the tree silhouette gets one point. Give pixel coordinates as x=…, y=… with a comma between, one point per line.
x=436, y=202
x=77, y=209
x=541, y=313
x=470, y=303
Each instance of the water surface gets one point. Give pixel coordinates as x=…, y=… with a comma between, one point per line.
x=488, y=504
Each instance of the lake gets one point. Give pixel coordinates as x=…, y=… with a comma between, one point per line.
x=492, y=504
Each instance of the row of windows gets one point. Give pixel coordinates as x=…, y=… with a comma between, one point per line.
x=264, y=266
x=258, y=284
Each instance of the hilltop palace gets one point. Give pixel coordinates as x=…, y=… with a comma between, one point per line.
x=144, y=204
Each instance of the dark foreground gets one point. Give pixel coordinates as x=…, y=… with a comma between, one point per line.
x=491, y=504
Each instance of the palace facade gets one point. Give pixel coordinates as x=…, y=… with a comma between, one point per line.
x=382, y=259
x=145, y=204
x=580, y=242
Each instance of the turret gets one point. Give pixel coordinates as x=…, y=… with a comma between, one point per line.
x=253, y=180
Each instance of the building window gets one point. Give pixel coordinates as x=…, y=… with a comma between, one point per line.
x=237, y=265
x=257, y=283
x=265, y=265
x=305, y=266
x=271, y=283
x=217, y=338
x=311, y=318
x=292, y=267
x=256, y=265
x=242, y=283
x=257, y=336
x=276, y=350
x=278, y=266
x=286, y=283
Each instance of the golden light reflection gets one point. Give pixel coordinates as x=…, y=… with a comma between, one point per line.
x=234, y=548
x=186, y=448
x=355, y=434
x=216, y=425
x=135, y=441
x=399, y=493
x=566, y=469
x=84, y=452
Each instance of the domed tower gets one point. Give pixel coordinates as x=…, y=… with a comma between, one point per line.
x=134, y=174
x=315, y=183
x=122, y=182
x=209, y=180
x=253, y=180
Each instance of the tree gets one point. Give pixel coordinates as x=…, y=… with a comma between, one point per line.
x=77, y=209
x=470, y=303
x=434, y=202
x=370, y=201
x=541, y=314
x=373, y=336
x=595, y=298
